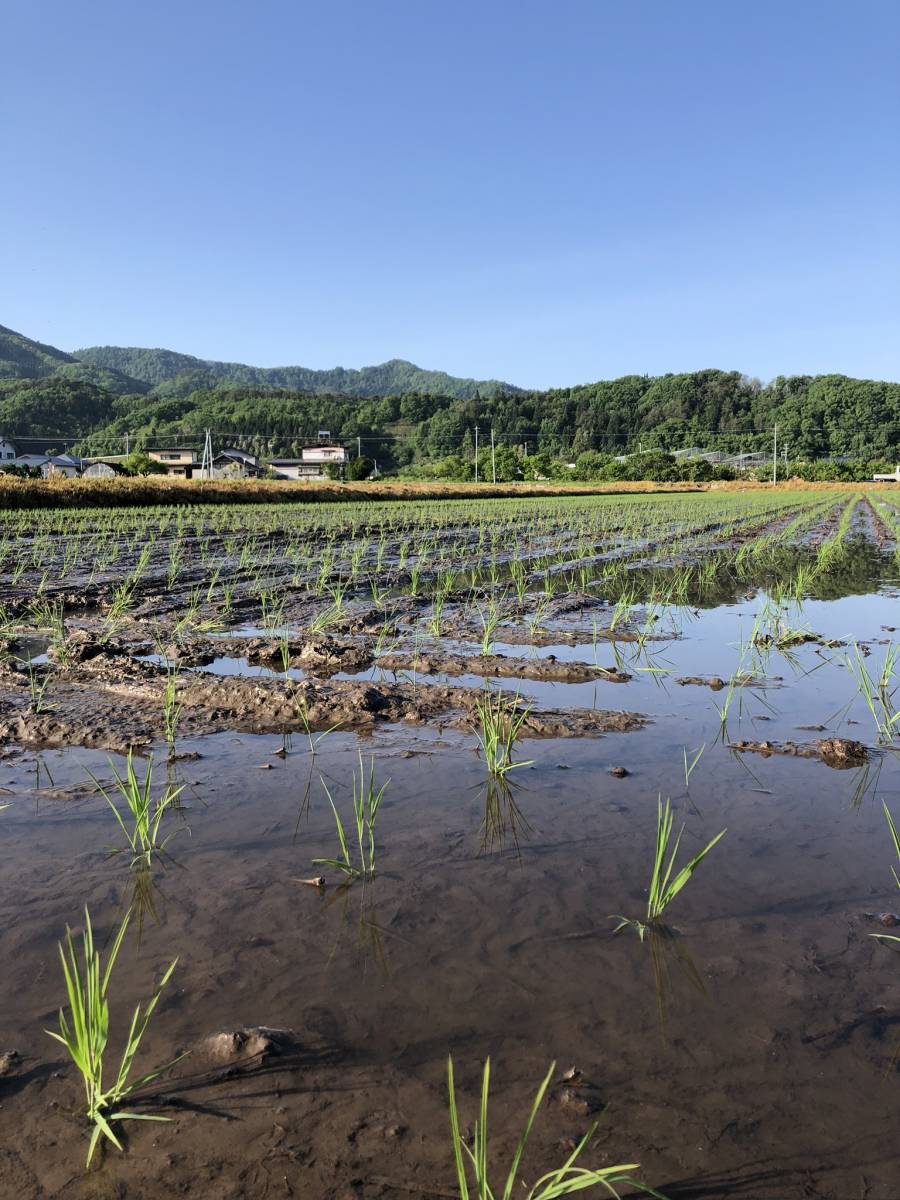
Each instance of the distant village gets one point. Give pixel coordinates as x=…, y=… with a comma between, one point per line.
x=324, y=459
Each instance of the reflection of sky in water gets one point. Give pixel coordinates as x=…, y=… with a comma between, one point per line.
x=809, y=684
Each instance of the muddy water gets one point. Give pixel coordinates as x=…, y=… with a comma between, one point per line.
x=752, y=1054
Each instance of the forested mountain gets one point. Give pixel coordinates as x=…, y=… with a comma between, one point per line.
x=22, y=358
x=134, y=371
x=171, y=374
x=51, y=395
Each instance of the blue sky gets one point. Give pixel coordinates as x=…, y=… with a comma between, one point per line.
x=547, y=193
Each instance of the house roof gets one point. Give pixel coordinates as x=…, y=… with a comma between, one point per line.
x=38, y=460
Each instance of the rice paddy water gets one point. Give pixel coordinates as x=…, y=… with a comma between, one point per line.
x=509, y=705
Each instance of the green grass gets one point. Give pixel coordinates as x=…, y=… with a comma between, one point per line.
x=84, y=1031
x=472, y=1169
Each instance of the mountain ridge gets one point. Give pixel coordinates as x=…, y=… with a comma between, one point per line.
x=139, y=370
x=169, y=372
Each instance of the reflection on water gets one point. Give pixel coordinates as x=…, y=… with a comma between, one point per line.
x=673, y=967
x=503, y=822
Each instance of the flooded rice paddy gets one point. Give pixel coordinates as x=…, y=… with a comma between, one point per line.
x=736, y=654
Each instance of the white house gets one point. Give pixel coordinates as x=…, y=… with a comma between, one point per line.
x=7, y=449
x=312, y=462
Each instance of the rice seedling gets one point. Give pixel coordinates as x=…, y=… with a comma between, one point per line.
x=539, y=616
x=490, y=617
x=301, y=707
x=895, y=839
x=689, y=766
x=142, y=834
x=878, y=691
x=664, y=887
x=366, y=802
x=84, y=1032
x=622, y=609
x=172, y=707
x=501, y=721
x=471, y=1163
x=37, y=687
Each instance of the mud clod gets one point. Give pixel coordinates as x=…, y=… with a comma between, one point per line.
x=248, y=1042
x=10, y=1061
x=842, y=752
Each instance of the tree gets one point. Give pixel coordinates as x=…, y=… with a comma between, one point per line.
x=360, y=468
x=139, y=463
x=506, y=461
x=591, y=465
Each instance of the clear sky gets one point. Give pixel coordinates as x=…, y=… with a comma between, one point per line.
x=546, y=193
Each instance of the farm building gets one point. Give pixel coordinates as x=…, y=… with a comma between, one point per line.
x=103, y=470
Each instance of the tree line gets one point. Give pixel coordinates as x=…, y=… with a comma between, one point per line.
x=817, y=416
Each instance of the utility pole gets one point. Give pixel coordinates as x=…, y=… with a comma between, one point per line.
x=127, y=445
x=359, y=447
x=493, y=459
x=775, y=457
x=206, y=464
x=476, y=453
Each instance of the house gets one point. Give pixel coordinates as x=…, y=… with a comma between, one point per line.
x=178, y=460
x=236, y=464
x=312, y=462
x=49, y=465
x=895, y=478
x=7, y=449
